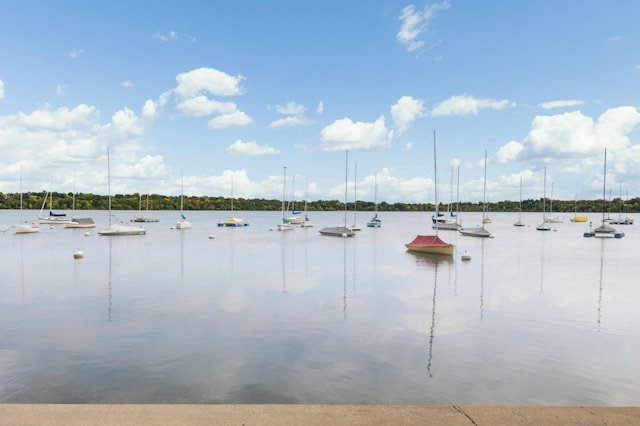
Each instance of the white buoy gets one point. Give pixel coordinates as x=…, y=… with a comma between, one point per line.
x=51, y=226
x=465, y=256
x=211, y=236
x=86, y=234
x=344, y=235
x=78, y=254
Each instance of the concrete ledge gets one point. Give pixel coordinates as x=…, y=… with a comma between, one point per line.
x=128, y=414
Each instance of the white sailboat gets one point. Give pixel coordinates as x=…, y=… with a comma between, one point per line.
x=52, y=218
x=233, y=221
x=285, y=225
x=78, y=222
x=296, y=218
x=116, y=229
x=183, y=223
x=375, y=221
x=544, y=226
x=551, y=218
x=306, y=223
x=144, y=217
x=449, y=220
x=480, y=231
x=24, y=228
x=519, y=222
x=341, y=231
x=604, y=230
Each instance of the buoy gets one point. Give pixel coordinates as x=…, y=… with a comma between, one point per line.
x=344, y=235
x=465, y=256
x=78, y=254
x=211, y=236
x=51, y=226
x=86, y=234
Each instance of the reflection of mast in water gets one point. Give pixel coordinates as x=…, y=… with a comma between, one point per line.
x=182, y=258
x=600, y=283
x=284, y=275
x=482, y=280
x=109, y=286
x=344, y=263
x=22, y=268
x=433, y=318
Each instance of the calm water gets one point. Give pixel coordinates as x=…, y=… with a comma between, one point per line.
x=260, y=316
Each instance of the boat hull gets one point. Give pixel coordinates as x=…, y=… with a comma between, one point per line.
x=337, y=231
x=26, y=229
x=117, y=230
x=431, y=244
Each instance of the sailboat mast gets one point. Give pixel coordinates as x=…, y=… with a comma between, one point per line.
x=458, y=192
x=435, y=179
x=21, y=193
x=544, y=194
x=355, y=193
x=604, y=185
x=484, y=189
x=109, y=182
x=346, y=179
x=284, y=183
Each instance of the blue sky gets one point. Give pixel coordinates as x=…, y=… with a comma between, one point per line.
x=215, y=90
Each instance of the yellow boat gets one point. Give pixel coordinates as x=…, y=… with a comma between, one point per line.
x=580, y=219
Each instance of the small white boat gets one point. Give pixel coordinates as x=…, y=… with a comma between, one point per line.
x=24, y=228
x=183, y=223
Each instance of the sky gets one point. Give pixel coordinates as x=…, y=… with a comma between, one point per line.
x=226, y=98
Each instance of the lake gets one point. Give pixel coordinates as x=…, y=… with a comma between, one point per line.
x=261, y=316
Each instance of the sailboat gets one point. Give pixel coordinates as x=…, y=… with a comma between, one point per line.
x=285, y=225
x=182, y=223
x=519, y=222
x=355, y=227
x=296, y=218
x=622, y=220
x=52, y=218
x=480, y=231
x=375, y=221
x=144, y=217
x=431, y=244
x=306, y=223
x=341, y=231
x=604, y=230
x=575, y=217
x=121, y=228
x=544, y=226
x=24, y=228
x=449, y=221
x=78, y=222
x=551, y=218
x=233, y=221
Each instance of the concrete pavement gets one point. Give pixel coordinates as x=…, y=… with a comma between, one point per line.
x=128, y=414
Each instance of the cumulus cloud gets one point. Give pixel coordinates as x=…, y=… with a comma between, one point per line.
x=573, y=135
x=468, y=105
x=292, y=121
x=509, y=152
x=201, y=105
x=237, y=118
x=320, y=107
x=213, y=81
x=295, y=113
x=561, y=104
x=128, y=84
x=345, y=134
x=406, y=111
x=250, y=148
x=415, y=22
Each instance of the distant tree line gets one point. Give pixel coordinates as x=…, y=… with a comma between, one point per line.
x=64, y=201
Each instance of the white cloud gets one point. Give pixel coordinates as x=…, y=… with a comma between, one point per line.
x=218, y=83
x=250, y=148
x=509, y=152
x=127, y=123
x=235, y=119
x=573, y=135
x=468, y=105
x=149, y=110
x=75, y=53
x=408, y=146
x=561, y=104
x=201, y=105
x=128, y=84
x=320, y=108
x=415, y=23
x=165, y=37
x=405, y=111
x=345, y=134
x=292, y=121
x=61, y=89
x=290, y=108
x=1, y=90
